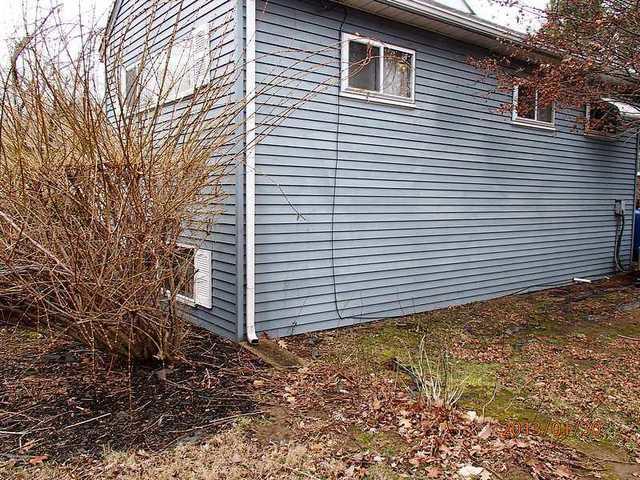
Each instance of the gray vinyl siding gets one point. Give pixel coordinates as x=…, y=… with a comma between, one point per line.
x=441, y=204
x=131, y=25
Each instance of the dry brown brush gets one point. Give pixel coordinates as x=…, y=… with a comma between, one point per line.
x=96, y=192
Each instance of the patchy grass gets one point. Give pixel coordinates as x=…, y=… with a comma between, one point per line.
x=556, y=373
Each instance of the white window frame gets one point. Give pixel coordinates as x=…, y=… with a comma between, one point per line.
x=122, y=86
x=532, y=122
x=191, y=301
x=192, y=59
x=371, y=95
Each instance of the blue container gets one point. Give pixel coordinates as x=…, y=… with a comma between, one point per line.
x=636, y=233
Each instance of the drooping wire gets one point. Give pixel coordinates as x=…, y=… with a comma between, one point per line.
x=619, y=234
x=336, y=169
x=335, y=176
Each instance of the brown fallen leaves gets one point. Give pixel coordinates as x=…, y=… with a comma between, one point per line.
x=406, y=436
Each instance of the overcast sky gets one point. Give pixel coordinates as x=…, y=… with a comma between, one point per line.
x=12, y=13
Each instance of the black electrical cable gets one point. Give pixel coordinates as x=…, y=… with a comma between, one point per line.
x=335, y=194
x=333, y=212
x=619, y=234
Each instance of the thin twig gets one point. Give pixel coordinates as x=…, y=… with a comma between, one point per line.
x=299, y=472
x=87, y=421
x=493, y=396
x=219, y=421
x=635, y=339
x=494, y=473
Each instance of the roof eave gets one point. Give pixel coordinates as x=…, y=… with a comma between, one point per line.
x=447, y=21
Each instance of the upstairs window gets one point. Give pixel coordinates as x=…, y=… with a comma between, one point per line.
x=377, y=71
x=169, y=74
x=189, y=62
x=528, y=110
x=602, y=119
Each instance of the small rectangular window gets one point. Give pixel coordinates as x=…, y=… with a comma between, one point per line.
x=527, y=108
x=183, y=268
x=190, y=275
x=377, y=71
x=129, y=92
x=602, y=119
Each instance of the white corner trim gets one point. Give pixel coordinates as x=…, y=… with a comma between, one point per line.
x=250, y=170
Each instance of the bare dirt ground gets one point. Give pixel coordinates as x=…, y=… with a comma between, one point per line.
x=553, y=379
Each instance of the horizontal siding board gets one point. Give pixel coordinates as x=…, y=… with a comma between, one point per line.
x=292, y=250
x=328, y=319
x=344, y=256
x=433, y=262
x=475, y=132
x=428, y=174
x=137, y=29
x=348, y=146
x=439, y=204
x=390, y=303
x=295, y=156
x=277, y=288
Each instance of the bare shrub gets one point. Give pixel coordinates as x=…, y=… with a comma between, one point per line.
x=96, y=192
x=438, y=381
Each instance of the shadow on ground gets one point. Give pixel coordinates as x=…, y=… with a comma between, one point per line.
x=60, y=400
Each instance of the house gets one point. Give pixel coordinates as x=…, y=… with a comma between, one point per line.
x=398, y=186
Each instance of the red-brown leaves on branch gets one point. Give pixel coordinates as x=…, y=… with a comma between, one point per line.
x=585, y=50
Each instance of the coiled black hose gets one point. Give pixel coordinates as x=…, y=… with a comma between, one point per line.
x=619, y=232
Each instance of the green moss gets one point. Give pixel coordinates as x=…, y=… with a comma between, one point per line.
x=364, y=439
x=385, y=342
x=383, y=472
x=386, y=444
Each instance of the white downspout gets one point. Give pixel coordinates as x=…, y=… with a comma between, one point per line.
x=250, y=169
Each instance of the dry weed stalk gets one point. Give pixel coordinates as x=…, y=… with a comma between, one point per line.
x=438, y=381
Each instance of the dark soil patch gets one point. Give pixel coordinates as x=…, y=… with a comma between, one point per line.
x=60, y=400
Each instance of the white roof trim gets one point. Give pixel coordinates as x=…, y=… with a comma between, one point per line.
x=441, y=12
x=440, y=18
x=626, y=110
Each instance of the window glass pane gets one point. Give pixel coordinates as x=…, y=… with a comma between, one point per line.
x=526, y=103
x=131, y=84
x=184, y=270
x=179, y=72
x=397, y=73
x=364, y=66
x=603, y=119
x=545, y=114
